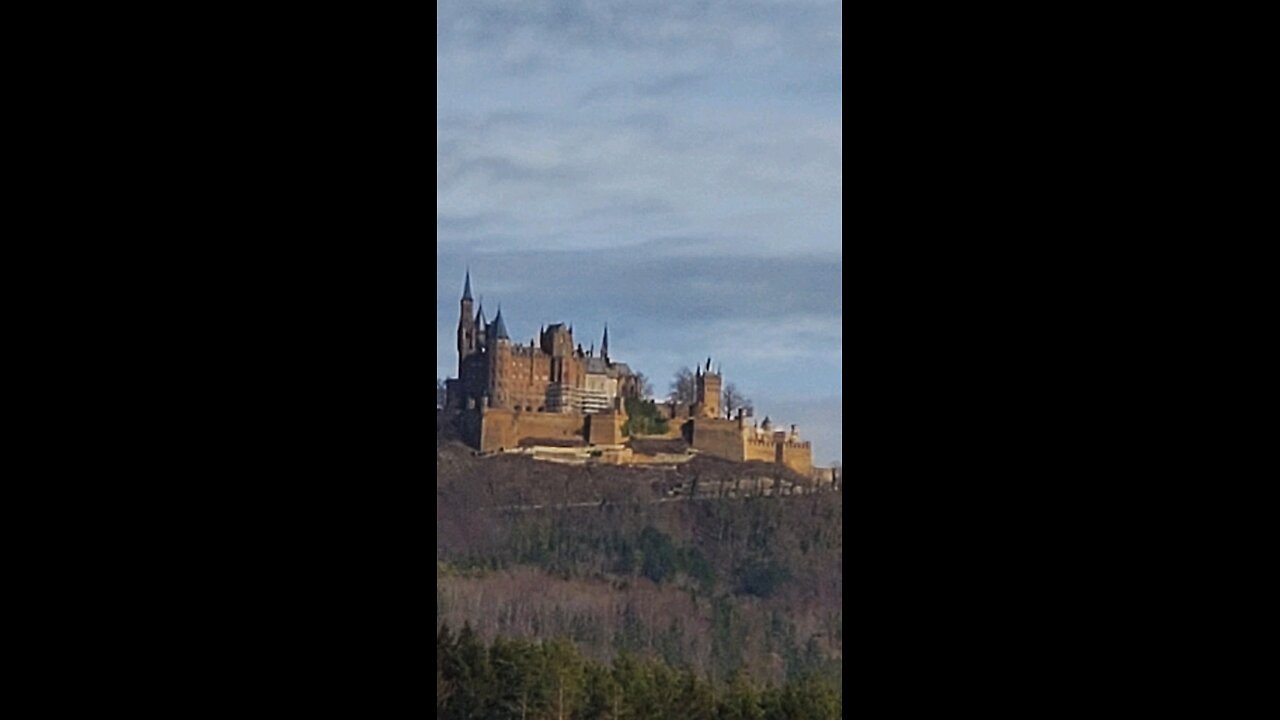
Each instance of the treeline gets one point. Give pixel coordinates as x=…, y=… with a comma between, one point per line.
x=750, y=585
x=551, y=679
x=716, y=637
x=745, y=548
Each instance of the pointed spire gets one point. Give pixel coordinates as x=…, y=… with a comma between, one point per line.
x=466, y=290
x=604, y=346
x=500, y=328
x=480, y=321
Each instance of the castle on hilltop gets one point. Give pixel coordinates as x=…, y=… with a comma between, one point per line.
x=552, y=375
x=552, y=392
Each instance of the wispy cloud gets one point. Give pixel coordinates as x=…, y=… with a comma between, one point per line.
x=675, y=169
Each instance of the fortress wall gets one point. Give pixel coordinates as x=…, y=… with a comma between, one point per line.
x=469, y=427
x=762, y=450
x=497, y=429
x=722, y=438
x=798, y=456
x=605, y=429
x=502, y=428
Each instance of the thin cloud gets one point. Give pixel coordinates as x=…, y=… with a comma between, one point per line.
x=673, y=169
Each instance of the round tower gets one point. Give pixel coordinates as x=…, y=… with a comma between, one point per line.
x=499, y=348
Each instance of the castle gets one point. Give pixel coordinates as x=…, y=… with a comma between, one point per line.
x=551, y=376
x=552, y=392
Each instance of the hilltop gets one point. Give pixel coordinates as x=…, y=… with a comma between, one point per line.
x=674, y=563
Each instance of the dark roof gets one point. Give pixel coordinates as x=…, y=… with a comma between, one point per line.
x=500, y=328
x=466, y=290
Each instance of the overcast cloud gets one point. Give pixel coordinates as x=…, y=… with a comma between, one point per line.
x=673, y=169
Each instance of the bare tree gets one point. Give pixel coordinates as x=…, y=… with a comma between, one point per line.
x=683, y=388
x=732, y=399
x=644, y=388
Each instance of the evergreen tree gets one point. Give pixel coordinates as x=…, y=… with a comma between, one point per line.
x=741, y=701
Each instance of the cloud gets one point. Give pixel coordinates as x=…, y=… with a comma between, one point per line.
x=661, y=87
x=719, y=28
x=674, y=169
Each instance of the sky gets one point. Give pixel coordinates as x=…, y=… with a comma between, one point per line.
x=672, y=169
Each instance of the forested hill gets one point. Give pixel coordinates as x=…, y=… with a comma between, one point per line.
x=608, y=558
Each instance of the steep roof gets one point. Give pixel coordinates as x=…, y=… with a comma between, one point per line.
x=466, y=290
x=500, y=328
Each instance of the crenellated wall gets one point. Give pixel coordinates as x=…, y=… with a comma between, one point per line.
x=731, y=440
x=721, y=438
x=797, y=455
x=762, y=450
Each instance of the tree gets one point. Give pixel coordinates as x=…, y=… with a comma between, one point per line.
x=440, y=393
x=643, y=418
x=644, y=388
x=741, y=701
x=733, y=399
x=683, y=388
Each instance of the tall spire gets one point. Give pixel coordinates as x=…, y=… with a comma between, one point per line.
x=466, y=290
x=604, y=346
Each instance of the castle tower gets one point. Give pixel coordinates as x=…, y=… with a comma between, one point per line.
x=707, y=388
x=499, y=349
x=466, y=326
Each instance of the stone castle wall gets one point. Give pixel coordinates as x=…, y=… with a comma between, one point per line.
x=798, y=456
x=728, y=440
x=605, y=428
x=721, y=438
x=503, y=429
x=762, y=450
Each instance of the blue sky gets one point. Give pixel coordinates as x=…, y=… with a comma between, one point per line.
x=673, y=169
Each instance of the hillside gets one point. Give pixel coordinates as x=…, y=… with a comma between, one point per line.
x=622, y=560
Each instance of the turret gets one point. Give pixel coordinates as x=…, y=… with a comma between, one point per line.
x=499, y=350
x=707, y=391
x=499, y=328
x=467, y=343
x=604, y=346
